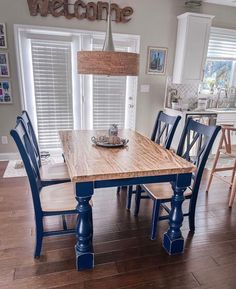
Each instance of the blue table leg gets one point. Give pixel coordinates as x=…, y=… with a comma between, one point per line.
x=173, y=241
x=84, y=228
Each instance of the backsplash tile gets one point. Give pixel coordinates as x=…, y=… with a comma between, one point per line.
x=188, y=96
x=186, y=93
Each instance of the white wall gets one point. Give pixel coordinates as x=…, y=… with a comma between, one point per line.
x=154, y=20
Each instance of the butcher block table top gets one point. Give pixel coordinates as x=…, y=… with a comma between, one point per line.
x=142, y=157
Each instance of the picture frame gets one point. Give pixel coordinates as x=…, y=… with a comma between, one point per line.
x=5, y=92
x=156, y=60
x=4, y=64
x=3, y=36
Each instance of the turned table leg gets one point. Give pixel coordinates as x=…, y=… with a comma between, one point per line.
x=84, y=228
x=173, y=241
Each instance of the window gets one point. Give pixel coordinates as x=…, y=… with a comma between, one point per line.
x=62, y=99
x=220, y=69
x=218, y=74
x=51, y=63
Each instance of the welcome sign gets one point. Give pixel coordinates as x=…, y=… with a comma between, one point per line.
x=79, y=9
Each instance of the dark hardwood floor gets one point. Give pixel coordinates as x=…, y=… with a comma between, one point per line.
x=124, y=255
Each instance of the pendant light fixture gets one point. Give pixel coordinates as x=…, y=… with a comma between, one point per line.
x=108, y=61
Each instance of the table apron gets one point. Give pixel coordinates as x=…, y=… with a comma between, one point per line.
x=185, y=180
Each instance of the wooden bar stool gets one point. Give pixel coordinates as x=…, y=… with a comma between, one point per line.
x=225, y=147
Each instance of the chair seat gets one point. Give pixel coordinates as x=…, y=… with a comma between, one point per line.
x=54, y=172
x=59, y=197
x=162, y=191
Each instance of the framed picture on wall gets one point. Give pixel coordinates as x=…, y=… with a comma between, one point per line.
x=3, y=36
x=4, y=65
x=156, y=60
x=5, y=92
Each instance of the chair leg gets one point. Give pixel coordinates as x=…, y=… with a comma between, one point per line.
x=232, y=195
x=155, y=219
x=129, y=197
x=137, y=199
x=191, y=217
x=209, y=181
x=214, y=165
x=212, y=171
x=39, y=238
x=118, y=190
x=233, y=192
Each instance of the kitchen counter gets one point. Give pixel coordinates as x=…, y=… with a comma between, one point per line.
x=172, y=111
x=223, y=110
x=209, y=111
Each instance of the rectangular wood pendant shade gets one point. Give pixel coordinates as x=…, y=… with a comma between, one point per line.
x=112, y=63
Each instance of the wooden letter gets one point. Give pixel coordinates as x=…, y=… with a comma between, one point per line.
x=68, y=15
x=102, y=6
x=126, y=12
x=55, y=5
x=117, y=10
x=91, y=11
x=41, y=6
x=79, y=4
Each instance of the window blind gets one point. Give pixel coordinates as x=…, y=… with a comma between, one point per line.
x=51, y=62
x=109, y=96
x=222, y=44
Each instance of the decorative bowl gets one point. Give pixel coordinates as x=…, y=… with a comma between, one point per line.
x=109, y=141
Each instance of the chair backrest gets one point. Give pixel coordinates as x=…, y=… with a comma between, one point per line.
x=199, y=138
x=26, y=150
x=164, y=129
x=28, y=124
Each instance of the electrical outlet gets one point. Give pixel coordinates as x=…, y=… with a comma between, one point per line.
x=4, y=140
x=145, y=88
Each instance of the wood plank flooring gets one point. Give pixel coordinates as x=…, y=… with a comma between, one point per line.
x=124, y=256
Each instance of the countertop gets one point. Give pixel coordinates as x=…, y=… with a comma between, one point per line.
x=208, y=111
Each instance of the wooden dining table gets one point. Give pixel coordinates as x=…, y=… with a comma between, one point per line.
x=142, y=161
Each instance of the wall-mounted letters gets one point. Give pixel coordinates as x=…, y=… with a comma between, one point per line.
x=79, y=9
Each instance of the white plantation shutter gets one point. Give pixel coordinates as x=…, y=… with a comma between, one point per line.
x=52, y=76
x=109, y=96
x=222, y=44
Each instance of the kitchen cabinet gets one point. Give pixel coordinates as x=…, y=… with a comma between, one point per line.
x=191, y=47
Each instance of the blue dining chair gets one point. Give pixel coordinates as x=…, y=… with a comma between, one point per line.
x=50, y=173
x=163, y=133
x=47, y=201
x=195, y=145
x=26, y=119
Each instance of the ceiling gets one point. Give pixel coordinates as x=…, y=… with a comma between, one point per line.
x=222, y=2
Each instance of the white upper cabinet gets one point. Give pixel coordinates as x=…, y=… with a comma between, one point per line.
x=191, y=47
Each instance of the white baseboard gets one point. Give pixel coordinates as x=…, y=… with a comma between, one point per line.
x=9, y=156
